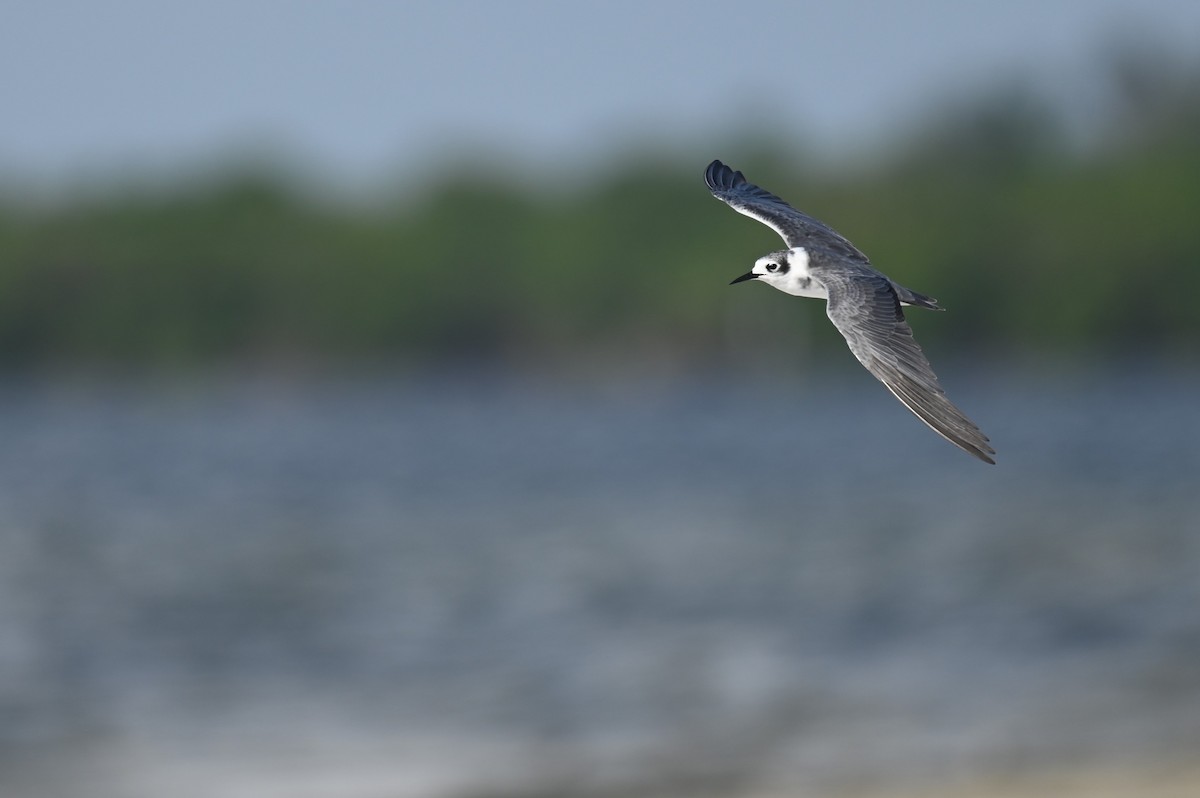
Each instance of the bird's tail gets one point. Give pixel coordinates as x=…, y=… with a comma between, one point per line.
x=910, y=297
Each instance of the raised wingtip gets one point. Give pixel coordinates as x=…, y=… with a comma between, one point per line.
x=718, y=176
x=711, y=172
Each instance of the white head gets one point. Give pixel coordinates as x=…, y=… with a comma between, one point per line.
x=786, y=270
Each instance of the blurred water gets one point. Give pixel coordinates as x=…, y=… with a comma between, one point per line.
x=373, y=586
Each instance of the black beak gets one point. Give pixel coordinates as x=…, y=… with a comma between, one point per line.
x=744, y=278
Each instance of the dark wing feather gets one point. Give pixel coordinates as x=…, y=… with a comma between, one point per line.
x=798, y=229
x=865, y=309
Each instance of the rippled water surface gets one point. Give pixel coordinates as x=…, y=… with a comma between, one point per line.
x=467, y=584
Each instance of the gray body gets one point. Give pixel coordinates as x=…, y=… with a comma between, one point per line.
x=864, y=304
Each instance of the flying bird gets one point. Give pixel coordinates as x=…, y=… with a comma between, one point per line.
x=865, y=305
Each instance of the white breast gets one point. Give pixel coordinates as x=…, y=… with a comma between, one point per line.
x=798, y=281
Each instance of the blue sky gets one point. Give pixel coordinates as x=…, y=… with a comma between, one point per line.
x=359, y=90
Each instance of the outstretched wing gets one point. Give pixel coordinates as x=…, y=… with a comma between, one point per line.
x=798, y=229
x=865, y=309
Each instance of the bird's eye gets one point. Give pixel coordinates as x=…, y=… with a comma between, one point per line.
x=772, y=267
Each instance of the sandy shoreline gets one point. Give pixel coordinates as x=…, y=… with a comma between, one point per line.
x=1177, y=780
x=141, y=772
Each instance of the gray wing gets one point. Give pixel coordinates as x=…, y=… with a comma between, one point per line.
x=798, y=229
x=865, y=309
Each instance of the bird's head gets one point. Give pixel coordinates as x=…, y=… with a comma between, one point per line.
x=771, y=269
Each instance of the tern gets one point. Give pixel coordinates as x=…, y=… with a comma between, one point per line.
x=865, y=305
